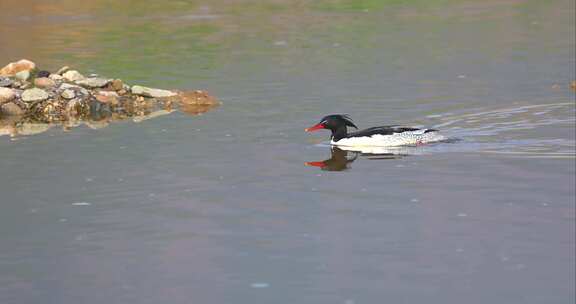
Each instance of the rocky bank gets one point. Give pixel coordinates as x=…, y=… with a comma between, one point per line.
x=29, y=95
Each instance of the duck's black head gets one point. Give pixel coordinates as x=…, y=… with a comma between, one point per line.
x=336, y=123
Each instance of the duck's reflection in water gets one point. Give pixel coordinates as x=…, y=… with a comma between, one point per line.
x=342, y=157
x=338, y=161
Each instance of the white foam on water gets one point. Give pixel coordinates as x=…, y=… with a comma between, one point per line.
x=81, y=204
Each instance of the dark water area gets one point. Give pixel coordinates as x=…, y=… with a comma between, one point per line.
x=223, y=208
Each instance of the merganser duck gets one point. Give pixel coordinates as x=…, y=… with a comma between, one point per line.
x=384, y=136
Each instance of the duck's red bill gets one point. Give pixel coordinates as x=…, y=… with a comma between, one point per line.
x=314, y=128
x=315, y=164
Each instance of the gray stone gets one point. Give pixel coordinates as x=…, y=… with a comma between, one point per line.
x=6, y=95
x=35, y=94
x=150, y=92
x=23, y=75
x=5, y=82
x=10, y=108
x=73, y=75
x=93, y=83
x=68, y=94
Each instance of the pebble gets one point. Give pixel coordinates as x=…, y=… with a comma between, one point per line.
x=117, y=85
x=23, y=75
x=14, y=67
x=25, y=85
x=68, y=94
x=93, y=83
x=75, y=107
x=66, y=86
x=44, y=82
x=35, y=94
x=41, y=74
x=73, y=75
x=56, y=77
x=5, y=82
x=107, y=97
x=10, y=108
x=63, y=70
x=6, y=95
x=151, y=92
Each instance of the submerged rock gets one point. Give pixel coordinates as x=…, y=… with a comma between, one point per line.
x=151, y=92
x=35, y=94
x=31, y=128
x=151, y=115
x=197, y=97
x=96, y=125
x=197, y=109
x=7, y=125
x=14, y=67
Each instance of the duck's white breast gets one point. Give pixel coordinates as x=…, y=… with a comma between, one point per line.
x=398, y=139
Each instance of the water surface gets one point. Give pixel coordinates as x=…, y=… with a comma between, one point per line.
x=221, y=208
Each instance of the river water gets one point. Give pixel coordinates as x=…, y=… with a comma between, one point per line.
x=222, y=208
